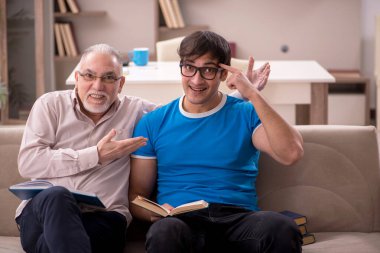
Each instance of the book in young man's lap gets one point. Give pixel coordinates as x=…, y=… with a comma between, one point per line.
x=162, y=211
x=29, y=189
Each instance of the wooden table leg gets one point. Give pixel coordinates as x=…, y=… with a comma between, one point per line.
x=303, y=114
x=319, y=104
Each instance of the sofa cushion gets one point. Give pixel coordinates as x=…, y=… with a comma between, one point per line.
x=10, y=245
x=10, y=139
x=335, y=184
x=346, y=242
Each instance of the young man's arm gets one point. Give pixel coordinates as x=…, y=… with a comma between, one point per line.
x=275, y=137
x=142, y=181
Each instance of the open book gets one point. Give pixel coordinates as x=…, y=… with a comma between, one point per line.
x=29, y=189
x=160, y=210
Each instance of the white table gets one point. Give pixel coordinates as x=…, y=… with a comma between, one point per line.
x=292, y=85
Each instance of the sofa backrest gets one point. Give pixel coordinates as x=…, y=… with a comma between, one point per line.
x=10, y=139
x=336, y=184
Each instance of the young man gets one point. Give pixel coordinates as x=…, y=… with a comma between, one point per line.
x=80, y=139
x=206, y=145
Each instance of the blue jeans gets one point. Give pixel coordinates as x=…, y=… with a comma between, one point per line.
x=52, y=222
x=224, y=228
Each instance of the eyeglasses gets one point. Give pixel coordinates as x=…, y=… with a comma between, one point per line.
x=208, y=73
x=110, y=78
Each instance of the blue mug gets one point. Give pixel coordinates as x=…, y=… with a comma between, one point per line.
x=139, y=56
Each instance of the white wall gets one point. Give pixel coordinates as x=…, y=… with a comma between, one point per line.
x=128, y=24
x=325, y=30
x=337, y=33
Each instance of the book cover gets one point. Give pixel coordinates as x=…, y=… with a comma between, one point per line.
x=178, y=14
x=73, y=6
x=58, y=40
x=162, y=211
x=303, y=229
x=62, y=6
x=70, y=36
x=299, y=219
x=165, y=13
x=65, y=39
x=171, y=12
x=308, y=239
x=29, y=189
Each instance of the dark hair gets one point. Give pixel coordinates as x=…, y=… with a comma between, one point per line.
x=205, y=42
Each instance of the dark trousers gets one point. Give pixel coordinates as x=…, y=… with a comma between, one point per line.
x=223, y=228
x=52, y=222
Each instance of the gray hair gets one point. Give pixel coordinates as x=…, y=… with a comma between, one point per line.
x=103, y=49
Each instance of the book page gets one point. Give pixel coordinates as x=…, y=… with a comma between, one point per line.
x=151, y=206
x=158, y=209
x=200, y=204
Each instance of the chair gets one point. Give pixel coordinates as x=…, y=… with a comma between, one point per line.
x=167, y=49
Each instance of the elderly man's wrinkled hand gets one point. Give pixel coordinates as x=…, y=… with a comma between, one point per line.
x=110, y=150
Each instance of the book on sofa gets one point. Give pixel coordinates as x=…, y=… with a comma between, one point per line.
x=29, y=189
x=301, y=221
x=303, y=229
x=162, y=211
x=308, y=238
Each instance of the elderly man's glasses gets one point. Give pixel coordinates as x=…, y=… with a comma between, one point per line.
x=208, y=73
x=110, y=78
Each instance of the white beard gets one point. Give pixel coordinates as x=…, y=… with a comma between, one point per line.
x=94, y=108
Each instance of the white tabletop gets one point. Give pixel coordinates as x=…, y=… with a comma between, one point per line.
x=281, y=72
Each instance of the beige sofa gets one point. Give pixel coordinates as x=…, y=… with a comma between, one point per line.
x=336, y=185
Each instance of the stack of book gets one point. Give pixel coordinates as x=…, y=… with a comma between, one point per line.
x=172, y=13
x=63, y=31
x=64, y=6
x=301, y=221
x=64, y=39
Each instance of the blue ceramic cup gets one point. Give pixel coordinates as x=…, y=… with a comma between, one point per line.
x=139, y=56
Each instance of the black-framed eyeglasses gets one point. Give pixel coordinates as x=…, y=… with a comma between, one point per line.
x=208, y=73
x=109, y=78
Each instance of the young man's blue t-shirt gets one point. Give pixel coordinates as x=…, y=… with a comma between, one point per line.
x=207, y=156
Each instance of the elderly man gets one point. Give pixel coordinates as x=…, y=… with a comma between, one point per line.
x=80, y=139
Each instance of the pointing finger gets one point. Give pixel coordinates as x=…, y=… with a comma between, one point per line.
x=229, y=68
x=251, y=62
